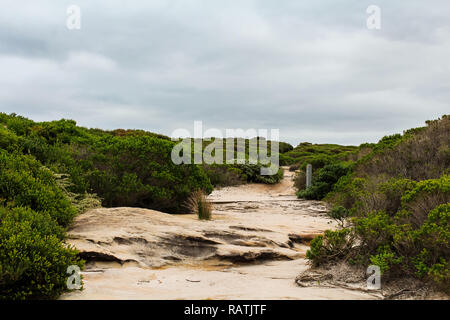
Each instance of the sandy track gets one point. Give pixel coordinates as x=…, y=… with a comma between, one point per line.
x=264, y=226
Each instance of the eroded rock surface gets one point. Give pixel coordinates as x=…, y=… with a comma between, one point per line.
x=253, y=248
x=153, y=239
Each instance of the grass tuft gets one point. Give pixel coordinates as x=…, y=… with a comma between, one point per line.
x=197, y=203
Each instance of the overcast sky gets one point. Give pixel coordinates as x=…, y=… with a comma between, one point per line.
x=310, y=68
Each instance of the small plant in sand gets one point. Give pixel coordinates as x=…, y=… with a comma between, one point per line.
x=197, y=203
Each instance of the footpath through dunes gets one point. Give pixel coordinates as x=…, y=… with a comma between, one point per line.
x=253, y=248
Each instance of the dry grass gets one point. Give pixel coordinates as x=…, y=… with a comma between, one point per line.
x=198, y=204
x=426, y=155
x=300, y=180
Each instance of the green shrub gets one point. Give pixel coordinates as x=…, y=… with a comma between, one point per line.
x=386, y=259
x=82, y=202
x=340, y=214
x=438, y=271
x=393, y=190
x=398, y=193
x=333, y=245
x=138, y=171
x=123, y=167
x=425, y=196
x=435, y=232
x=8, y=140
x=419, y=154
x=24, y=182
x=374, y=230
x=33, y=260
x=252, y=172
x=317, y=154
x=316, y=192
x=224, y=175
x=324, y=181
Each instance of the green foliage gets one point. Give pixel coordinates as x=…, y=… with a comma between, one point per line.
x=224, y=175
x=324, y=181
x=124, y=168
x=138, y=171
x=432, y=239
x=427, y=187
x=398, y=195
x=333, y=245
x=317, y=154
x=252, y=173
x=375, y=229
x=435, y=232
x=24, y=182
x=385, y=259
x=426, y=195
x=284, y=147
x=8, y=140
x=393, y=191
x=418, y=154
x=82, y=202
x=33, y=260
x=340, y=214
x=235, y=174
x=439, y=271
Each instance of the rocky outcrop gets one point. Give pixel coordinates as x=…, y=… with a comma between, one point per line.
x=154, y=239
x=251, y=223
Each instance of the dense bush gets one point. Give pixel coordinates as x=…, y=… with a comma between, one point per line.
x=340, y=214
x=317, y=154
x=8, y=140
x=433, y=241
x=224, y=175
x=33, y=212
x=33, y=260
x=24, y=182
x=324, y=181
x=398, y=197
x=419, y=154
x=426, y=195
x=124, y=168
x=252, y=173
x=333, y=245
x=138, y=171
x=393, y=244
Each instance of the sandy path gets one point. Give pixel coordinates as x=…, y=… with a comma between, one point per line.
x=262, y=212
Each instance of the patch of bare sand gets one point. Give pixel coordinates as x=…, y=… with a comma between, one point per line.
x=272, y=280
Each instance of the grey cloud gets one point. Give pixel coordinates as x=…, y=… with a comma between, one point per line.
x=310, y=68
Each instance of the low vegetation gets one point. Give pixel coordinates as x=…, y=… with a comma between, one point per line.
x=33, y=215
x=393, y=205
x=198, y=204
x=316, y=154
